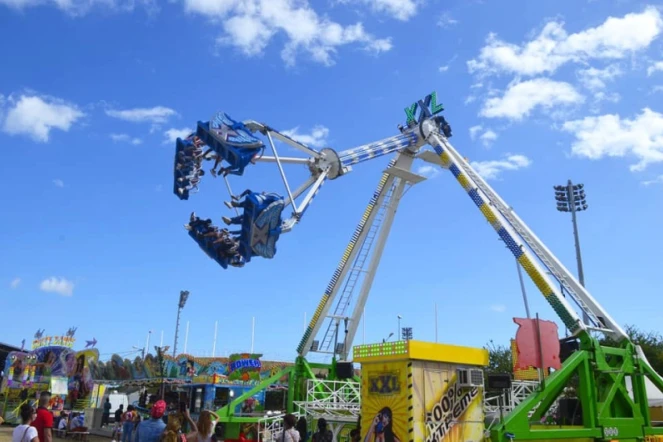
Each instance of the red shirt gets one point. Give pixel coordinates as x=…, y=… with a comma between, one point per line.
x=43, y=420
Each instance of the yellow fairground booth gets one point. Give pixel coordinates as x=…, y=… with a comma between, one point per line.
x=415, y=391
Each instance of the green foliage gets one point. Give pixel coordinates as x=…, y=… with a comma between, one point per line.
x=651, y=343
x=499, y=358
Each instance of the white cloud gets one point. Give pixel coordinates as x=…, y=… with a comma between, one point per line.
x=498, y=308
x=595, y=79
x=157, y=114
x=657, y=180
x=35, y=116
x=428, y=171
x=316, y=138
x=250, y=25
x=657, y=88
x=658, y=66
x=124, y=138
x=612, y=136
x=520, y=99
x=15, y=283
x=474, y=131
x=614, y=39
x=490, y=170
x=57, y=285
x=58, y=183
x=443, y=68
x=487, y=137
x=398, y=9
x=172, y=134
x=446, y=21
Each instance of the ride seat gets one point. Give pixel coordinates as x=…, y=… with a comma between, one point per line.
x=231, y=140
x=261, y=225
x=180, y=145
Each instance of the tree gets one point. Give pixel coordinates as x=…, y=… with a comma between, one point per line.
x=651, y=343
x=499, y=358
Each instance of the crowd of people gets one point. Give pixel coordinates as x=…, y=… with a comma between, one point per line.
x=162, y=425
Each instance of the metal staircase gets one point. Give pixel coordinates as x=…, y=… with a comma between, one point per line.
x=356, y=271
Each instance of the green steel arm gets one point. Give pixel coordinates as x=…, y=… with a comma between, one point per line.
x=226, y=412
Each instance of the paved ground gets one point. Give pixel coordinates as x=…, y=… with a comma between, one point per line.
x=6, y=436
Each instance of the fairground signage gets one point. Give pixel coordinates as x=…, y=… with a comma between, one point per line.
x=384, y=383
x=448, y=411
x=54, y=341
x=239, y=364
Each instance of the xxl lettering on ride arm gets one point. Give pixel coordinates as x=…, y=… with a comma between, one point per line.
x=427, y=108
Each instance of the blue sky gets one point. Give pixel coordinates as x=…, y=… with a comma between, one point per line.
x=93, y=96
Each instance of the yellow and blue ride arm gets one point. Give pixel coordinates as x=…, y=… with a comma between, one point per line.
x=528, y=250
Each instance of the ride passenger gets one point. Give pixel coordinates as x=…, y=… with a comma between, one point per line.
x=261, y=197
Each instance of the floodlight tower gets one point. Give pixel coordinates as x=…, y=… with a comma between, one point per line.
x=571, y=198
x=184, y=295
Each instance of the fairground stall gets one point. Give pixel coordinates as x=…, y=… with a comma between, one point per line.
x=202, y=383
x=50, y=365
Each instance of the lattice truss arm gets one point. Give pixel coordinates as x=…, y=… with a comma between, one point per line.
x=334, y=324
x=529, y=250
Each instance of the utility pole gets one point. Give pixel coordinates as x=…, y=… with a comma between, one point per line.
x=184, y=295
x=162, y=367
x=571, y=198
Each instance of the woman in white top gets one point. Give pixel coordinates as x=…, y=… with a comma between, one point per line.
x=206, y=426
x=289, y=434
x=26, y=432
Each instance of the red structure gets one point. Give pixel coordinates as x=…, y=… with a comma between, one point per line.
x=537, y=343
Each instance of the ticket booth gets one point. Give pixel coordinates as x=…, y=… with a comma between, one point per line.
x=415, y=391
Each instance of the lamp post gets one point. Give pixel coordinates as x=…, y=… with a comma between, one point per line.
x=184, y=295
x=571, y=198
x=398, y=330
x=162, y=366
x=147, y=343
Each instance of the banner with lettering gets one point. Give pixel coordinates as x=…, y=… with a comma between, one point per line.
x=384, y=397
x=442, y=409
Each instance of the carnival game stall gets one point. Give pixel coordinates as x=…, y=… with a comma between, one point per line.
x=50, y=365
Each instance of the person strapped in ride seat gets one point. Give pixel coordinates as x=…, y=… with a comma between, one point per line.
x=261, y=197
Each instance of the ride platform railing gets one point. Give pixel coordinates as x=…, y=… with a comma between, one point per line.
x=338, y=401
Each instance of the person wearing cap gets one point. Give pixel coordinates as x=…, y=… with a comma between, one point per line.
x=44, y=420
x=150, y=430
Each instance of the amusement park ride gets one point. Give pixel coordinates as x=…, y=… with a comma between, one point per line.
x=611, y=380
